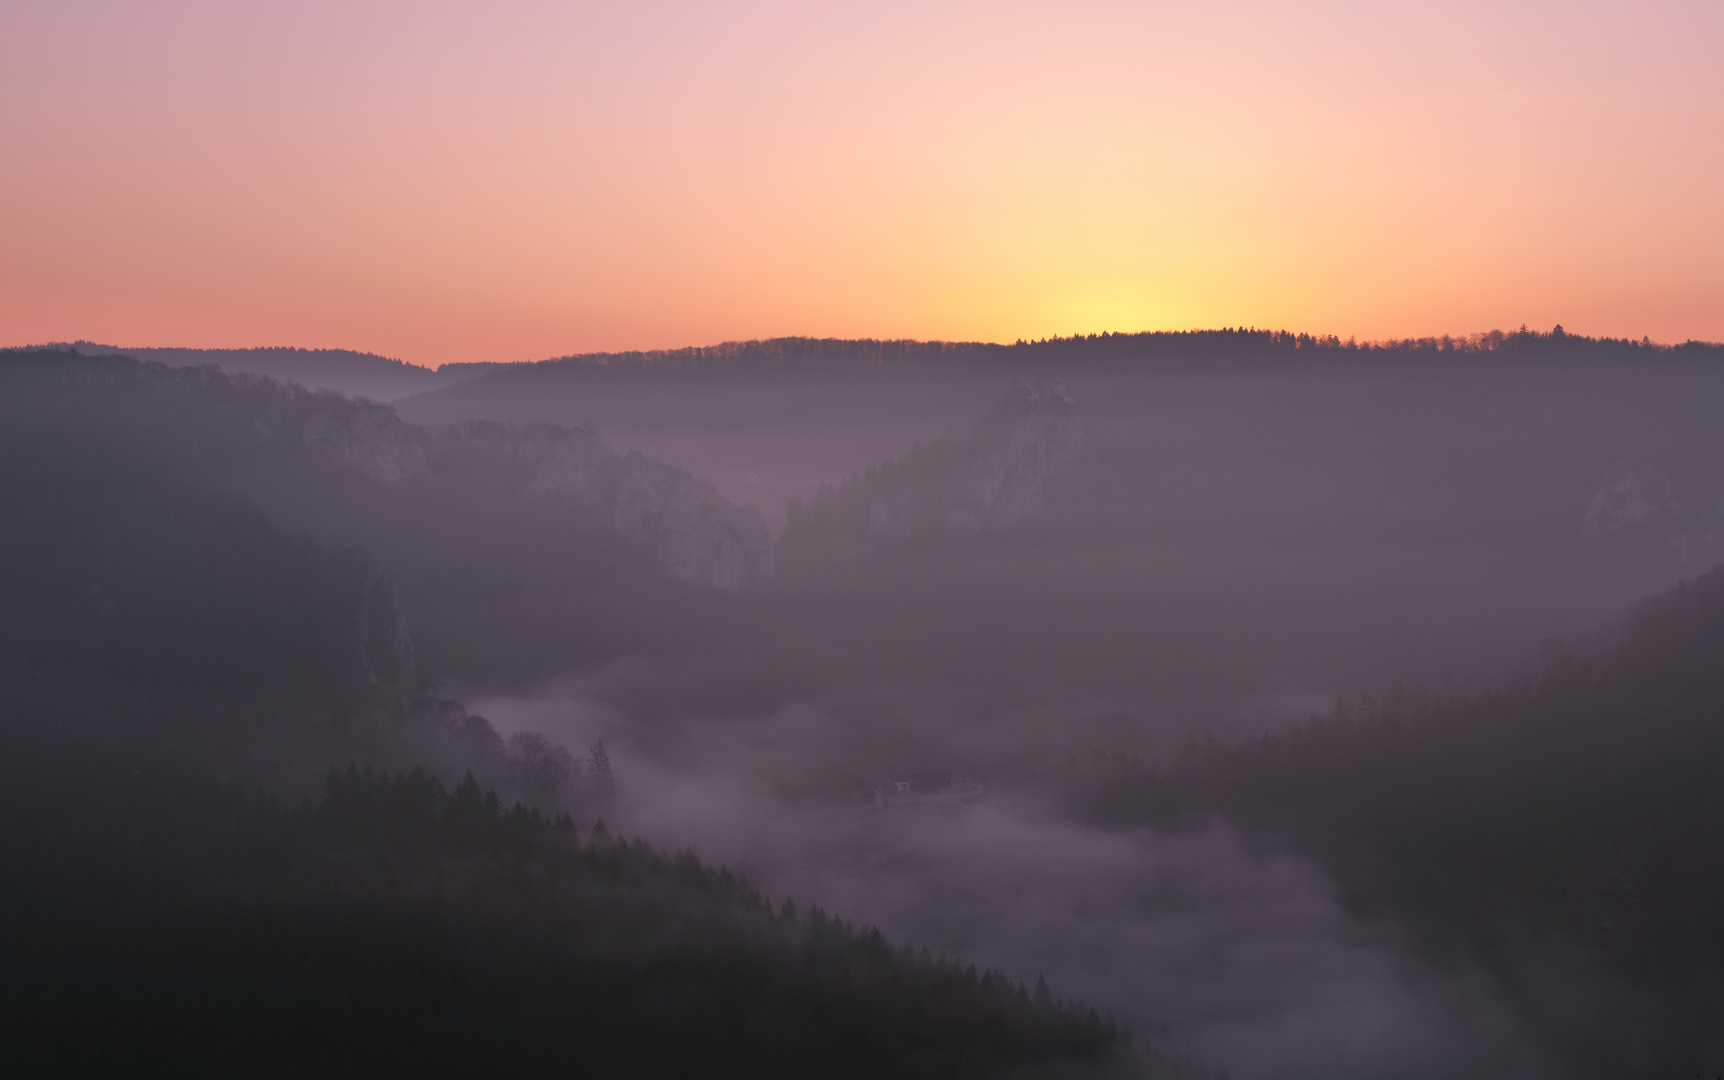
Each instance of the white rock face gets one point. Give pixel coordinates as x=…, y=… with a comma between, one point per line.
x=697, y=533
x=1627, y=499
x=370, y=440
x=1640, y=507
x=999, y=470
x=1027, y=440
x=567, y=464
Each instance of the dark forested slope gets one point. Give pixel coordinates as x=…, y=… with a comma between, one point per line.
x=104, y=570
x=1581, y=809
x=361, y=374
x=119, y=570
x=152, y=924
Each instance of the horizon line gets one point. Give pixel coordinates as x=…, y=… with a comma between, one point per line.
x=1472, y=342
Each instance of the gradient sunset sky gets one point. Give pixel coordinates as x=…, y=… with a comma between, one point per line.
x=509, y=181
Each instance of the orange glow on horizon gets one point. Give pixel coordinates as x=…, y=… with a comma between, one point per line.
x=533, y=179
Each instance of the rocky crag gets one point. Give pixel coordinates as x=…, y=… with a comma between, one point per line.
x=1683, y=518
x=693, y=532
x=989, y=479
x=368, y=439
x=1033, y=434
x=341, y=370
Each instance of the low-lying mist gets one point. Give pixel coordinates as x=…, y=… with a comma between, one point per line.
x=1248, y=954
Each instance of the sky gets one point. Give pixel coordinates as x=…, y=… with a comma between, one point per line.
x=514, y=180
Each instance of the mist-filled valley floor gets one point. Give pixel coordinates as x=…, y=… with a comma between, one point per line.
x=1215, y=702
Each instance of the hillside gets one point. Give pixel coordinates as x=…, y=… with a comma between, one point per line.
x=743, y=363
x=988, y=479
x=358, y=374
x=1578, y=809
x=152, y=924
x=795, y=354
x=116, y=563
x=596, y=538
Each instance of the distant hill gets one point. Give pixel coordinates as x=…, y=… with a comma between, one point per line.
x=541, y=390
x=793, y=354
x=359, y=374
x=790, y=353
x=382, y=378
x=544, y=390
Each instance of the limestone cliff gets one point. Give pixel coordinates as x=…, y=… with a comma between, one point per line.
x=1683, y=517
x=1034, y=433
x=989, y=479
x=693, y=531
x=369, y=439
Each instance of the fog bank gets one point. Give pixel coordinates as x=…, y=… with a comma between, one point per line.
x=1247, y=956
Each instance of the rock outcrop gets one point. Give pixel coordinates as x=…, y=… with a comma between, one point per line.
x=990, y=479
x=697, y=534
x=694, y=532
x=370, y=440
x=1627, y=499
x=1644, y=507
x=1033, y=434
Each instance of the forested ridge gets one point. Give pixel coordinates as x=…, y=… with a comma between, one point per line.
x=1074, y=352
x=1577, y=808
x=156, y=924
x=364, y=374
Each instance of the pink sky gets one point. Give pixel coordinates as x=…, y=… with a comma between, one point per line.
x=507, y=181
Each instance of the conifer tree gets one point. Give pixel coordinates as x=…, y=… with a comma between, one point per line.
x=599, y=769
